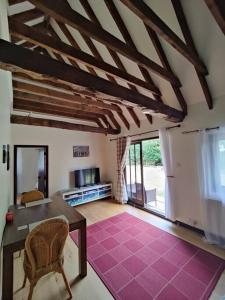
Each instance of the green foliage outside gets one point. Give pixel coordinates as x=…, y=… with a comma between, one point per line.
x=151, y=153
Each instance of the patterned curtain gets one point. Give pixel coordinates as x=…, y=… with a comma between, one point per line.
x=123, y=145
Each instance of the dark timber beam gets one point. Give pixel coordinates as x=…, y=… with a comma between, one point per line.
x=53, y=94
x=128, y=39
x=61, y=103
x=45, y=41
x=149, y=118
x=53, y=112
x=163, y=58
x=15, y=58
x=190, y=43
x=62, y=12
x=148, y=16
x=59, y=124
x=134, y=116
x=22, y=105
x=12, y=2
x=115, y=57
x=117, y=60
x=28, y=15
x=217, y=8
x=52, y=84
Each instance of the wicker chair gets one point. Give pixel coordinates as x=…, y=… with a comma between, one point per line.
x=31, y=196
x=44, y=252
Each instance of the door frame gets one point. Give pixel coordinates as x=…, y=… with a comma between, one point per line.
x=130, y=201
x=15, y=167
x=136, y=142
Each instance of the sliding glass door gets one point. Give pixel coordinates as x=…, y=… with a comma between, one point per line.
x=145, y=176
x=134, y=175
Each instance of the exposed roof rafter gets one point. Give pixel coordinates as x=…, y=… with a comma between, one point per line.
x=190, y=43
x=141, y=9
x=15, y=119
x=13, y=57
x=61, y=11
x=217, y=8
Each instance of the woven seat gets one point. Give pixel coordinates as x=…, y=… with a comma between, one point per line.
x=44, y=252
x=30, y=196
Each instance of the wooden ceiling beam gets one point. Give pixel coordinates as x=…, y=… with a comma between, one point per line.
x=113, y=54
x=190, y=43
x=38, y=38
x=15, y=119
x=51, y=112
x=163, y=58
x=28, y=15
x=13, y=2
x=61, y=11
x=46, y=104
x=43, y=91
x=149, y=118
x=147, y=15
x=124, y=120
x=88, y=9
x=52, y=108
x=134, y=116
x=99, y=123
x=61, y=103
x=217, y=8
x=15, y=58
x=71, y=41
x=128, y=39
x=51, y=84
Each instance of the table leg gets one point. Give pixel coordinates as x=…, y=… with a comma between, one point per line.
x=7, y=282
x=82, y=233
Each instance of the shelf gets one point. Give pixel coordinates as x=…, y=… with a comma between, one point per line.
x=84, y=195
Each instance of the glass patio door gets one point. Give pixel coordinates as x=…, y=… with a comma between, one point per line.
x=145, y=177
x=134, y=175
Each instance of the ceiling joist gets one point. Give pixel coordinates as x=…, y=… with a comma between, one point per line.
x=217, y=8
x=38, y=38
x=141, y=9
x=74, y=100
x=62, y=12
x=190, y=43
x=15, y=119
x=163, y=58
x=15, y=58
x=20, y=104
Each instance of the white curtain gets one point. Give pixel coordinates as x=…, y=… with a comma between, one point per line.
x=213, y=184
x=168, y=164
x=123, y=145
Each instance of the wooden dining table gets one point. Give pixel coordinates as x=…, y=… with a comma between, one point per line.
x=15, y=234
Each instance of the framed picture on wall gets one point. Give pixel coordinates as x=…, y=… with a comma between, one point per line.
x=81, y=151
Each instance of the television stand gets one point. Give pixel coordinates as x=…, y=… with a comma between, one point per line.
x=77, y=196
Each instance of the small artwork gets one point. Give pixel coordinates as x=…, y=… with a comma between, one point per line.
x=81, y=151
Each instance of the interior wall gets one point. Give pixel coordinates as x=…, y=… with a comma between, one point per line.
x=185, y=153
x=5, y=134
x=61, y=160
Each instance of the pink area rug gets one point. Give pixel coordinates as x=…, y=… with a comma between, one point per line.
x=138, y=261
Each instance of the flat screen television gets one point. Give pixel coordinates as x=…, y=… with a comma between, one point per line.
x=86, y=177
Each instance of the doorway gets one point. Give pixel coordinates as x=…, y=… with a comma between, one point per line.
x=30, y=170
x=145, y=177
